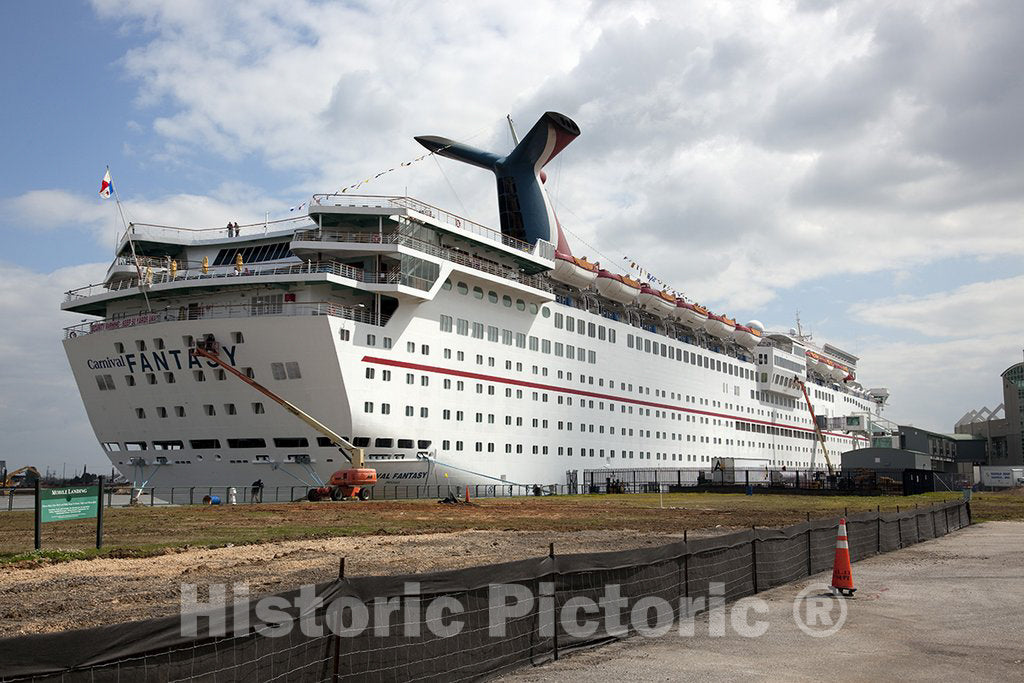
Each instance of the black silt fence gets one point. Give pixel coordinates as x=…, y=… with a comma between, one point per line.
x=411, y=643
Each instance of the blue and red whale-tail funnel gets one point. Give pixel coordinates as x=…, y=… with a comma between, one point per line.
x=523, y=206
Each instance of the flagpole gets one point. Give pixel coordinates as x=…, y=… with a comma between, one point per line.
x=131, y=244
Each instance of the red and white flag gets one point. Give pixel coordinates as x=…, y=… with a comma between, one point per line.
x=106, y=186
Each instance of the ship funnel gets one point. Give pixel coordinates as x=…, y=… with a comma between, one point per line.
x=523, y=206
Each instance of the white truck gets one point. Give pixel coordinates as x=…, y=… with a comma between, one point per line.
x=1002, y=477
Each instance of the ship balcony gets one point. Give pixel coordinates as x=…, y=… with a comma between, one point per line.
x=358, y=313
x=92, y=299
x=375, y=242
x=330, y=209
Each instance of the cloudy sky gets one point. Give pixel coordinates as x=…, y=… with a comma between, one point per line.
x=858, y=162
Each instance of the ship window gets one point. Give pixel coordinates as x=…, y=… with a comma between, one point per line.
x=150, y=378
x=203, y=444
x=118, y=347
x=371, y=340
x=446, y=323
x=168, y=445
x=385, y=408
x=462, y=327
x=179, y=411
x=361, y=441
x=492, y=333
x=257, y=408
x=199, y=375
x=368, y=407
x=344, y=335
x=570, y=323
x=140, y=413
x=229, y=408
x=492, y=296
x=169, y=377
x=187, y=341
x=135, y=445
x=237, y=336
x=277, y=370
x=105, y=382
x=292, y=442
x=383, y=443
x=447, y=285
x=247, y=443
x=410, y=411
x=129, y=380
x=506, y=301
x=161, y=411
x=112, y=446
x=478, y=292
x=293, y=370
x=158, y=343
x=423, y=444
x=461, y=288
x=520, y=305
x=209, y=410
x=387, y=342
x=140, y=344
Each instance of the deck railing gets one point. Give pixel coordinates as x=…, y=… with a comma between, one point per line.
x=405, y=240
x=429, y=210
x=215, y=312
x=307, y=267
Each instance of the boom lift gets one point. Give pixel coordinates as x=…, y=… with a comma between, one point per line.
x=348, y=483
x=817, y=429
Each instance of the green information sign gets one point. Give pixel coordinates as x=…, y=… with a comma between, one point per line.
x=71, y=502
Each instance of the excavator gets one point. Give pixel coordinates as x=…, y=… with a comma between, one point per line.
x=817, y=429
x=352, y=482
x=7, y=485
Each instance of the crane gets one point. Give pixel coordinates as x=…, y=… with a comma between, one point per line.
x=814, y=421
x=346, y=483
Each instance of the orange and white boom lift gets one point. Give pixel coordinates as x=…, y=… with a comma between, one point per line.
x=347, y=483
x=814, y=421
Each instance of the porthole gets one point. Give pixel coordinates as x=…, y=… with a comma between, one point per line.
x=478, y=293
x=533, y=309
x=492, y=297
x=546, y=312
x=462, y=288
x=520, y=305
x=506, y=301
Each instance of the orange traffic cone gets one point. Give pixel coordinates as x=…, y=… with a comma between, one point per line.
x=467, y=493
x=842, y=573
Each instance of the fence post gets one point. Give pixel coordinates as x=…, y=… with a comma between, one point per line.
x=899, y=525
x=99, y=517
x=554, y=602
x=960, y=515
x=152, y=497
x=191, y=495
x=878, y=511
x=686, y=568
x=809, y=567
x=917, y=525
x=753, y=554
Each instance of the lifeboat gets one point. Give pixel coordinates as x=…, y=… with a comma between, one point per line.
x=720, y=326
x=747, y=337
x=691, y=315
x=616, y=287
x=575, y=272
x=659, y=303
x=839, y=372
x=815, y=363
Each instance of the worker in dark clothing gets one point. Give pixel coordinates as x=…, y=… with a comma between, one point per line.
x=257, y=491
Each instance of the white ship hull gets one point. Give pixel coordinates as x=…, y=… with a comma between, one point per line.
x=504, y=413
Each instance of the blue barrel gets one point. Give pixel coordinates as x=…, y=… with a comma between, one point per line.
x=211, y=500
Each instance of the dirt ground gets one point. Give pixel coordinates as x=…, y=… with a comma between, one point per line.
x=85, y=593
x=151, y=551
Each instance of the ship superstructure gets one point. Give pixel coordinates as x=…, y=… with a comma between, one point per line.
x=451, y=352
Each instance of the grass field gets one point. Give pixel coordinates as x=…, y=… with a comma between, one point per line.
x=145, y=531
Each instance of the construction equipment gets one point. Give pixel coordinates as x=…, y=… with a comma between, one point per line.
x=814, y=421
x=347, y=483
x=7, y=485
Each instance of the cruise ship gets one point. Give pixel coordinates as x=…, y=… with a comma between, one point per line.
x=453, y=353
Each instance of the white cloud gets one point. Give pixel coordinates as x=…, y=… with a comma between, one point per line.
x=979, y=309
x=43, y=420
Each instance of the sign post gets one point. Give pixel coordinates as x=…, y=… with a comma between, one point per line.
x=67, y=503
x=99, y=516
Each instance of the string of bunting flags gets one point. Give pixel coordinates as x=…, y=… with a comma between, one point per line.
x=404, y=164
x=650, y=277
